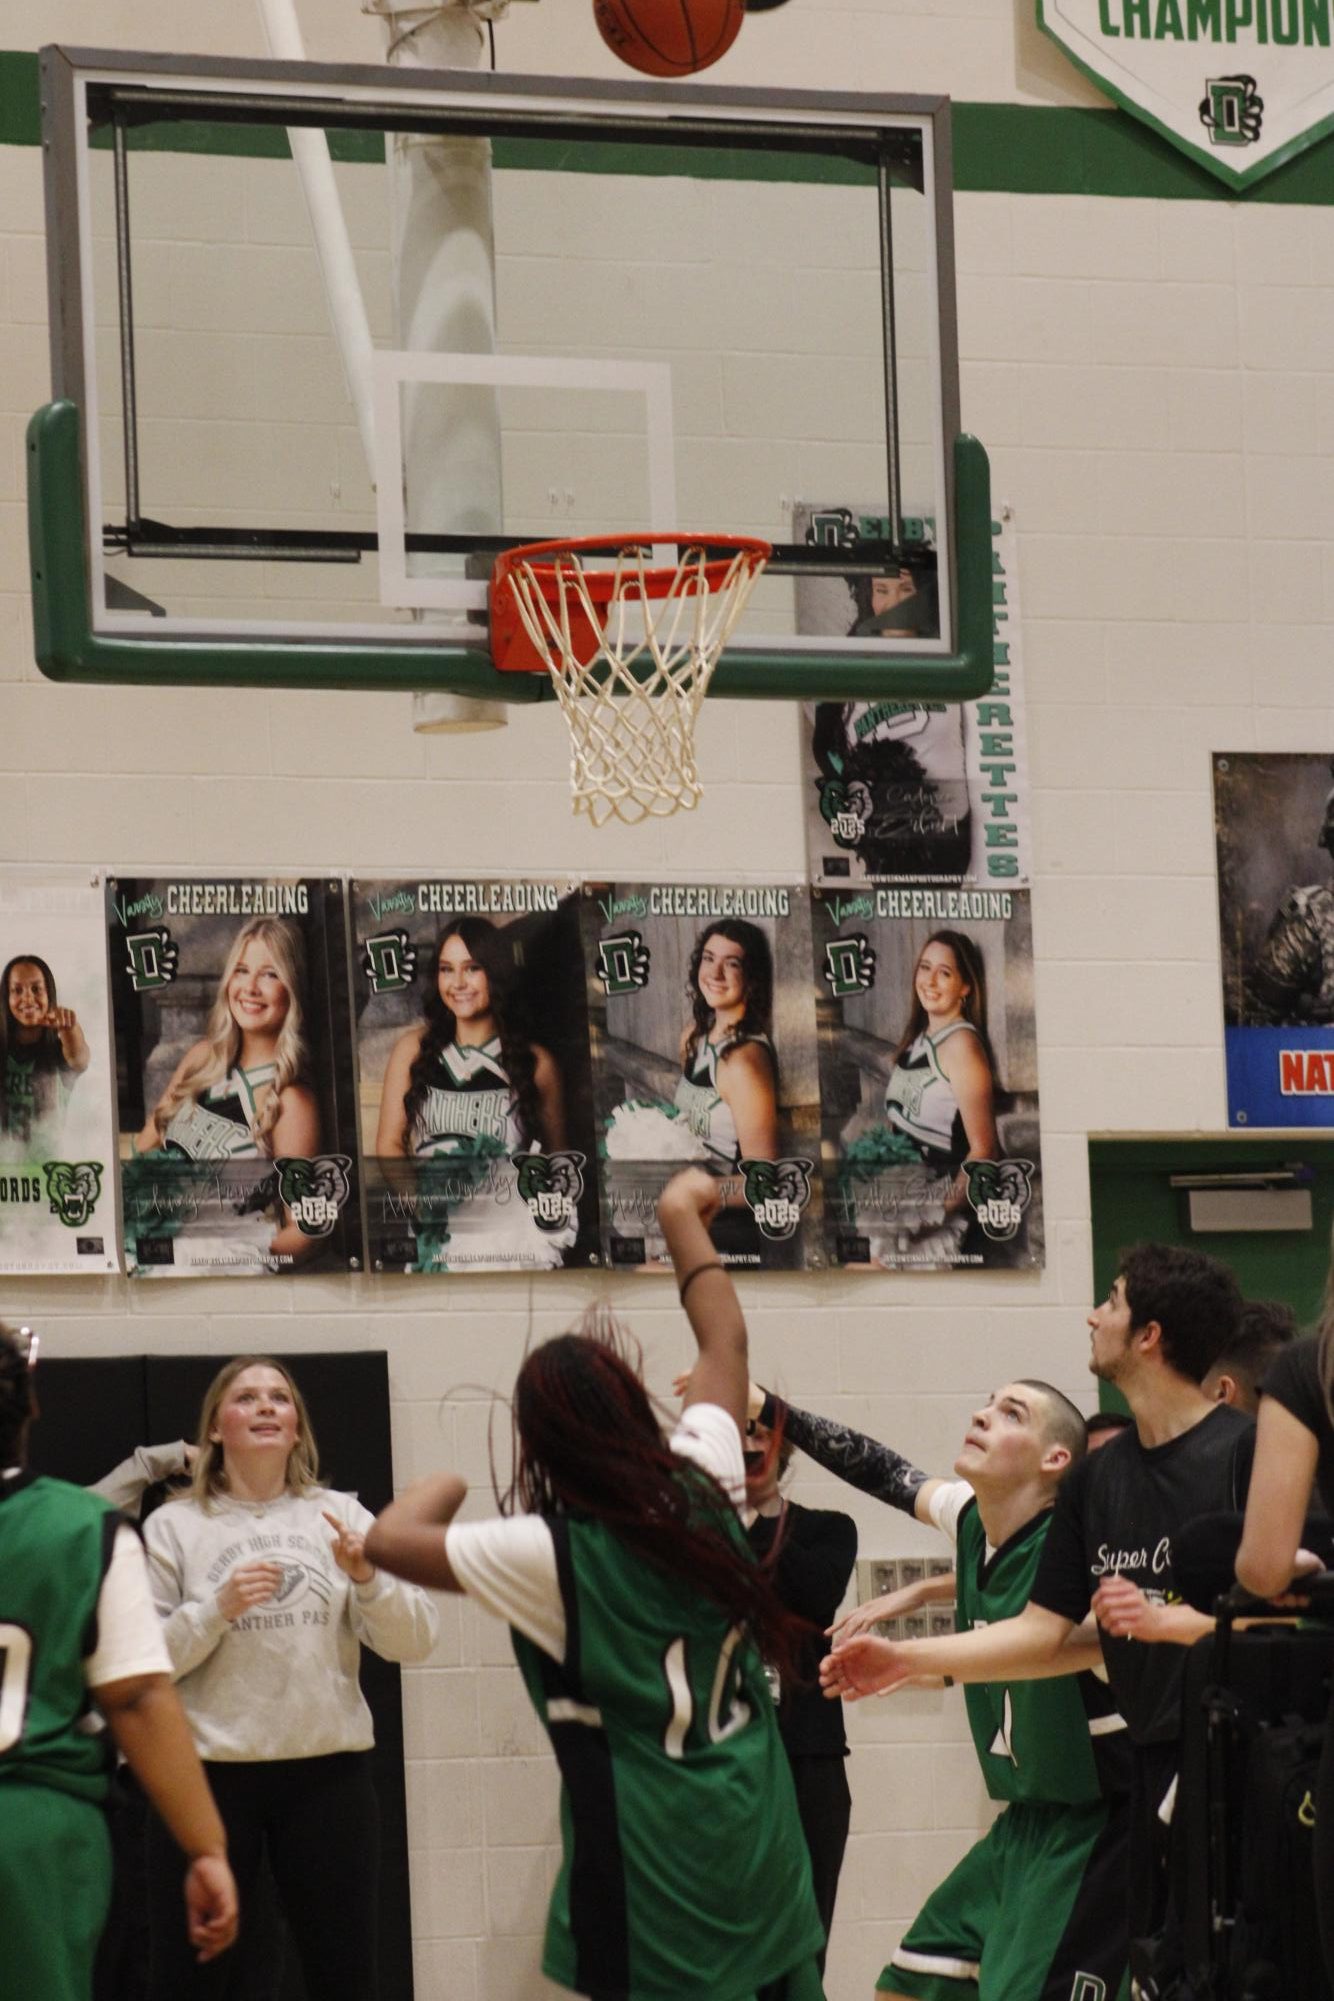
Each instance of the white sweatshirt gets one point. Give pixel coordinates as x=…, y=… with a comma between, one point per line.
x=280, y=1682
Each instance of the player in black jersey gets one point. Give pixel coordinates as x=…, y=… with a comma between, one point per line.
x=1169, y=1315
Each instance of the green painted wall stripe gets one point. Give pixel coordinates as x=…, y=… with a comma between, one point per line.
x=998, y=148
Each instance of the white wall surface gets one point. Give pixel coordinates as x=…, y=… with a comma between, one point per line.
x=1155, y=385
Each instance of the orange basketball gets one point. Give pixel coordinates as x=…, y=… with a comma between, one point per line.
x=669, y=37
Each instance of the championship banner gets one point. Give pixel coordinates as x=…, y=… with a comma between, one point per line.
x=1274, y=829
x=704, y=1051
x=1240, y=85
x=57, y=1123
x=900, y=791
x=476, y=1099
x=928, y=1078
x=234, y=1061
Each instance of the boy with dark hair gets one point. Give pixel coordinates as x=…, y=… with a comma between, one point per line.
x=1053, y=1749
x=1263, y=1332
x=1168, y=1316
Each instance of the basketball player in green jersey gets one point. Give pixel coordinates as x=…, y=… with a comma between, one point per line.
x=1035, y=1911
x=77, y=1621
x=640, y=1621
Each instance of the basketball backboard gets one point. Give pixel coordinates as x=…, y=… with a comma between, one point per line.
x=586, y=308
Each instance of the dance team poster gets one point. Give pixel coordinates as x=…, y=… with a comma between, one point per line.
x=913, y=791
x=236, y=1103
x=475, y=1095
x=57, y=1121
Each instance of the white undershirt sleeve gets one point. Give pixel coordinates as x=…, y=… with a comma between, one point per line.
x=129, y=1632
x=707, y=1435
x=946, y=1505
x=509, y=1567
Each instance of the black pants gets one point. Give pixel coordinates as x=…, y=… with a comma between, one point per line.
x=1324, y=1847
x=824, y=1805
x=1155, y=1767
x=318, y=1821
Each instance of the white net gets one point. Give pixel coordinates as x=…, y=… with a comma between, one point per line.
x=631, y=651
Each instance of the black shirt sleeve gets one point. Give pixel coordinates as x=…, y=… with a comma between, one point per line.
x=1062, y=1581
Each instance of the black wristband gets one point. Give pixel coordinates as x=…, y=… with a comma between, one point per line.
x=714, y=1264
x=769, y=1410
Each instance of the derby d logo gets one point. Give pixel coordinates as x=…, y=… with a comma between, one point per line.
x=389, y=962
x=999, y=1192
x=623, y=962
x=152, y=959
x=849, y=965
x=1240, y=85
x=550, y=1184
x=777, y=1191
x=314, y=1190
x=73, y=1188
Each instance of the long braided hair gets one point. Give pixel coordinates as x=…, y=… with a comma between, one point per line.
x=491, y=949
x=587, y=1442
x=757, y=1017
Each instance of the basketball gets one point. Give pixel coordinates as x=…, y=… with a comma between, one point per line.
x=669, y=37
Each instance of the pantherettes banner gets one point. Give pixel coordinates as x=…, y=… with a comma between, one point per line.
x=57, y=1126
x=432, y=1075
x=1274, y=826
x=234, y=1059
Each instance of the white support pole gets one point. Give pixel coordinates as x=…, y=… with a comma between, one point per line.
x=333, y=246
x=444, y=302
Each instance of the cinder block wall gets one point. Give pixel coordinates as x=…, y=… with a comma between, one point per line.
x=1154, y=382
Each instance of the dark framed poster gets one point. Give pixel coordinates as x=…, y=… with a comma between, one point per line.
x=704, y=1050
x=475, y=1094
x=234, y=1075
x=57, y=1120
x=1274, y=830
x=928, y=1078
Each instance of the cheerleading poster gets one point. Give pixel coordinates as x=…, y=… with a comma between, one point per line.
x=704, y=1052
x=475, y=1093
x=57, y=1120
x=900, y=790
x=234, y=1071
x=928, y=1078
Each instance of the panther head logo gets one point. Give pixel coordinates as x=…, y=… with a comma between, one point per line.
x=73, y=1188
x=777, y=1192
x=999, y=1191
x=314, y=1190
x=845, y=808
x=550, y=1184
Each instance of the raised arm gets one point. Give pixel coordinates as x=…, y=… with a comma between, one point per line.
x=686, y=1207
x=863, y=1462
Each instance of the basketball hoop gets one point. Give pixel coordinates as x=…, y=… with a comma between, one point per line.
x=630, y=649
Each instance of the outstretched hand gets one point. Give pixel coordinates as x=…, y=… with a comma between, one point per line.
x=862, y=1618
x=865, y=1666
